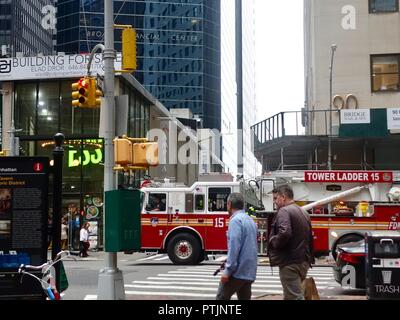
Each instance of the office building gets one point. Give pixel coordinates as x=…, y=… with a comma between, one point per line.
x=178, y=48
x=27, y=27
x=352, y=91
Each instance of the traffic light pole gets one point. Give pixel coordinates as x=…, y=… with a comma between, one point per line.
x=111, y=283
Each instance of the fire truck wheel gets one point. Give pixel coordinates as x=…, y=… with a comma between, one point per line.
x=345, y=239
x=184, y=248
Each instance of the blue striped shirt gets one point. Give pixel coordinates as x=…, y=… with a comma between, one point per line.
x=242, y=259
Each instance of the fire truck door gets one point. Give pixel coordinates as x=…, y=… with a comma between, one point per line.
x=154, y=220
x=217, y=218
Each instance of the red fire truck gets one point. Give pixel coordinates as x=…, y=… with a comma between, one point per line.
x=343, y=205
x=189, y=222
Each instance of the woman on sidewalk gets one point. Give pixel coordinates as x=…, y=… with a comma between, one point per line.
x=84, y=240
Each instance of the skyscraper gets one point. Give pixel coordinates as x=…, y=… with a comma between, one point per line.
x=178, y=47
x=238, y=86
x=27, y=26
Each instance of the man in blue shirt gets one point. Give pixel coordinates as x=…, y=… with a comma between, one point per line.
x=241, y=264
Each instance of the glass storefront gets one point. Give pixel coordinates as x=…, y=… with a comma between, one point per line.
x=43, y=108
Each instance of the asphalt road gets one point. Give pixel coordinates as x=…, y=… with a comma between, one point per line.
x=156, y=278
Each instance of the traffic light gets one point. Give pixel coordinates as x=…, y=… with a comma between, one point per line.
x=129, y=62
x=129, y=154
x=80, y=92
x=94, y=94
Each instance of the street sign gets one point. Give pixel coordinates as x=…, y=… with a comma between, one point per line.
x=23, y=222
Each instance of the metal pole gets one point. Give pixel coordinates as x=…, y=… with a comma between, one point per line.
x=333, y=48
x=111, y=283
x=58, y=154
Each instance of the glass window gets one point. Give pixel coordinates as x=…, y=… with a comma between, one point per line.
x=68, y=113
x=188, y=202
x=199, y=202
x=25, y=108
x=217, y=199
x=157, y=202
x=385, y=73
x=376, y=6
x=48, y=108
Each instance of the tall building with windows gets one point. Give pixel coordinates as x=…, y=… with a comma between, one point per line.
x=238, y=86
x=178, y=47
x=27, y=27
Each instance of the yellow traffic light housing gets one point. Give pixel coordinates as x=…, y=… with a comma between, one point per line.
x=135, y=153
x=85, y=93
x=80, y=92
x=129, y=58
x=145, y=154
x=122, y=151
x=129, y=62
x=94, y=94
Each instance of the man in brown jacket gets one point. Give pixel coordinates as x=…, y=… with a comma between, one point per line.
x=290, y=244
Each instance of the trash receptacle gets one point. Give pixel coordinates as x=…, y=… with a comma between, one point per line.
x=383, y=265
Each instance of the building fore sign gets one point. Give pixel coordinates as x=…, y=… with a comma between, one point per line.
x=45, y=67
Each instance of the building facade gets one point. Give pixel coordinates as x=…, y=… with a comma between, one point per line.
x=27, y=27
x=365, y=75
x=352, y=92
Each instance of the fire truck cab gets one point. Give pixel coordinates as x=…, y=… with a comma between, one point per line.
x=343, y=205
x=189, y=222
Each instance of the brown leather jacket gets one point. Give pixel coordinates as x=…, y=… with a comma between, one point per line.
x=291, y=239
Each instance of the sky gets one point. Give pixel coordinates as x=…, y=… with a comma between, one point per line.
x=279, y=56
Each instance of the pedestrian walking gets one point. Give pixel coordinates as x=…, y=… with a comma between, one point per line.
x=290, y=245
x=84, y=240
x=241, y=265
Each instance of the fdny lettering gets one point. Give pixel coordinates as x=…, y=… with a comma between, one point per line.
x=346, y=176
x=394, y=225
x=387, y=289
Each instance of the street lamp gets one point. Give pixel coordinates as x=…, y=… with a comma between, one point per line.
x=333, y=49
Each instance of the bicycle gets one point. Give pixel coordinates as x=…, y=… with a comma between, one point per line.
x=48, y=279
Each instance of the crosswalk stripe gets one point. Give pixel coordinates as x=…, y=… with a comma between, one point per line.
x=151, y=257
x=199, y=281
x=162, y=258
x=261, y=273
x=138, y=286
x=260, y=284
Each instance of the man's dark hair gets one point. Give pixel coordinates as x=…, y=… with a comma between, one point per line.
x=236, y=200
x=284, y=190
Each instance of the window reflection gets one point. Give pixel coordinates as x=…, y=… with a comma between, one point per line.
x=47, y=107
x=25, y=107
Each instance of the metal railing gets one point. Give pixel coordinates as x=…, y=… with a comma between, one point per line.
x=291, y=123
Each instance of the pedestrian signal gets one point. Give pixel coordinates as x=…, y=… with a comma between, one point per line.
x=134, y=154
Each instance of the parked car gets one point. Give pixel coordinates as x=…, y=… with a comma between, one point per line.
x=350, y=254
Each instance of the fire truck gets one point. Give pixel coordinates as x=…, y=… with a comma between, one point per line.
x=343, y=205
x=190, y=222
